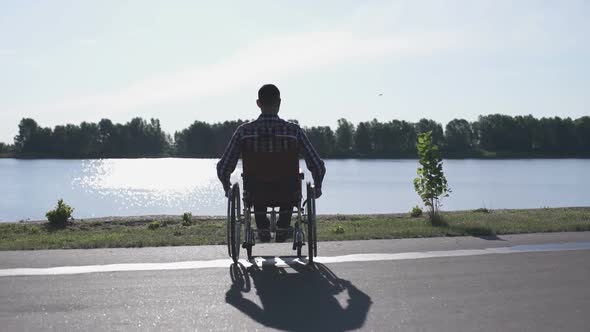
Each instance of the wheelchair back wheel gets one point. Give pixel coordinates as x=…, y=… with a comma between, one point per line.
x=315, y=224
x=311, y=224
x=233, y=223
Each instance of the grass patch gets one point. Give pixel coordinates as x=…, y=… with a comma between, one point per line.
x=171, y=231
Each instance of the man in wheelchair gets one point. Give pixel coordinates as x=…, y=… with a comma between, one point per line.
x=270, y=135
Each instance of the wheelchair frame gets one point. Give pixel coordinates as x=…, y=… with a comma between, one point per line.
x=238, y=218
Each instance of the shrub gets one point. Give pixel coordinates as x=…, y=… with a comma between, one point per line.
x=186, y=219
x=177, y=233
x=339, y=230
x=416, y=212
x=60, y=216
x=482, y=210
x=154, y=225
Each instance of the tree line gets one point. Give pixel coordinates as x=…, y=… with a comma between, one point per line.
x=136, y=138
x=6, y=148
x=494, y=135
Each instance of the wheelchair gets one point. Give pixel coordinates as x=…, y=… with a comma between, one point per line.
x=271, y=179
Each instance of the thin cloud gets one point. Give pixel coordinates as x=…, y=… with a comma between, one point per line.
x=88, y=42
x=7, y=52
x=274, y=58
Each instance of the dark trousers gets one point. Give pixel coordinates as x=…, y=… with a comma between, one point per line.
x=262, y=221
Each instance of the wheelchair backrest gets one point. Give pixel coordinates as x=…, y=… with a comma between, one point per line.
x=271, y=170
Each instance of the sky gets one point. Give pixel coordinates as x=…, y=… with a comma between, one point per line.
x=180, y=61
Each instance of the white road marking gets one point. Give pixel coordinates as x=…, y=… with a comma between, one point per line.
x=285, y=261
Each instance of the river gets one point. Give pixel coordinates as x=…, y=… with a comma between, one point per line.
x=123, y=187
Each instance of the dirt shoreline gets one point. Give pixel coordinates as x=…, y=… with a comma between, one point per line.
x=173, y=217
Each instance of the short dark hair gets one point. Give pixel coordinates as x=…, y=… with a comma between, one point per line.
x=269, y=94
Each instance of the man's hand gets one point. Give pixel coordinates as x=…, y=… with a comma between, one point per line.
x=318, y=192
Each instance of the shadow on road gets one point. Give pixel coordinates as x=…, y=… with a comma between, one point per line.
x=299, y=298
x=481, y=232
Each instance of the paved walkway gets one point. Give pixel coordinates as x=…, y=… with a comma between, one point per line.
x=535, y=282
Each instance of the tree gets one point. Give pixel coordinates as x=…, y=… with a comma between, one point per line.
x=344, y=137
x=362, y=140
x=504, y=133
x=107, y=139
x=431, y=183
x=196, y=140
x=201, y=139
x=425, y=125
x=556, y=136
x=142, y=138
x=493, y=132
x=403, y=138
x=522, y=133
x=323, y=140
x=582, y=126
x=65, y=141
x=222, y=133
x=459, y=136
x=27, y=128
x=6, y=148
x=32, y=139
x=89, y=140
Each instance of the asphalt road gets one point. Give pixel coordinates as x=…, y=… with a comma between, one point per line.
x=518, y=290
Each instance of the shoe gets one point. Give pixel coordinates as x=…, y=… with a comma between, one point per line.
x=283, y=234
x=264, y=235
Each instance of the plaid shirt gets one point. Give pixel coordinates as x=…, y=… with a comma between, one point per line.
x=265, y=133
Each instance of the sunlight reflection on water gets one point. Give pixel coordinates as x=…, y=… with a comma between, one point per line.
x=159, y=183
x=156, y=175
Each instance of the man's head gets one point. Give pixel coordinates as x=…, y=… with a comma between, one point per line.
x=269, y=99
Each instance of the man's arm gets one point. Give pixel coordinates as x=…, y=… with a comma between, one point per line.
x=313, y=161
x=229, y=160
